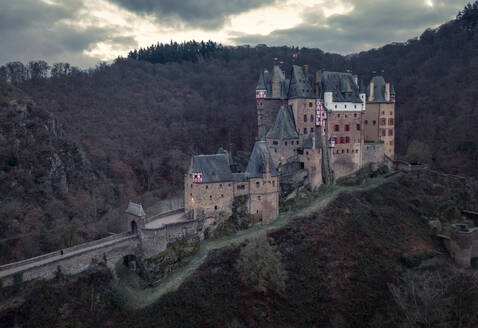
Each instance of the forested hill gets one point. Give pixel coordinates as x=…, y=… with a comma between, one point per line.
x=140, y=119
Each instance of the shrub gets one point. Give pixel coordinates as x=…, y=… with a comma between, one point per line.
x=260, y=267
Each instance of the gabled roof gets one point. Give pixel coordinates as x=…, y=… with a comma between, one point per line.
x=135, y=209
x=300, y=86
x=284, y=125
x=256, y=167
x=342, y=86
x=214, y=168
x=378, y=89
x=309, y=142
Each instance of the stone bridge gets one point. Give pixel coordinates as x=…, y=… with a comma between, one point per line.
x=149, y=238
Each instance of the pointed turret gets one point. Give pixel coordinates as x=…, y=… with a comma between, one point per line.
x=261, y=89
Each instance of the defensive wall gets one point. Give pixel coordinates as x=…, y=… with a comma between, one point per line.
x=144, y=242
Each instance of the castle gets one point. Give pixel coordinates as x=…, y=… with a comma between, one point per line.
x=312, y=128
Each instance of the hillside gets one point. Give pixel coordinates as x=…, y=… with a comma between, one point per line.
x=138, y=120
x=51, y=195
x=331, y=268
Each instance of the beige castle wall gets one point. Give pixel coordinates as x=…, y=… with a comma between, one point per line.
x=312, y=159
x=264, y=198
x=345, y=158
x=282, y=150
x=375, y=112
x=212, y=198
x=301, y=107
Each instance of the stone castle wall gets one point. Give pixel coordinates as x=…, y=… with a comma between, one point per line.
x=282, y=150
x=373, y=152
x=264, y=198
x=312, y=159
x=73, y=261
x=304, y=116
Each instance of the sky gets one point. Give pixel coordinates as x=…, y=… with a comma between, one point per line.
x=85, y=32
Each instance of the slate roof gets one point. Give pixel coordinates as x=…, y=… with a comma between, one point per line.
x=378, y=89
x=284, y=125
x=308, y=143
x=255, y=167
x=265, y=82
x=135, y=209
x=300, y=86
x=214, y=168
x=342, y=86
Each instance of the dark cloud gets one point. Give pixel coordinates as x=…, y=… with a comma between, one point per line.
x=371, y=23
x=32, y=30
x=205, y=14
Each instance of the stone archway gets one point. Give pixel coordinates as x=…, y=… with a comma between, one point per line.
x=134, y=227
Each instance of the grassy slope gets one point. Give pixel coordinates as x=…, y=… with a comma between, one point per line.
x=339, y=259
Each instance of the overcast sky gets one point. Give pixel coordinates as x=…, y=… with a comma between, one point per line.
x=84, y=32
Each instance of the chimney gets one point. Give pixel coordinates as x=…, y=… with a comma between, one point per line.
x=318, y=83
x=387, y=92
x=355, y=76
x=370, y=96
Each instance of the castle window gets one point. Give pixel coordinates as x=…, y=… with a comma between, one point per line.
x=383, y=112
x=215, y=207
x=347, y=150
x=347, y=140
x=390, y=121
x=366, y=122
x=310, y=104
x=191, y=185
x=285, y=142
x=336, y=128
x=273, y=183
x=258, y=184
x=210, y=197
x=275, y=150
x=390, y=132
x=222, y=196
x=190, y=194
x=297, y=142
x=312, y=118
x=358, y=127
x=207, y=187
x=305, y=130
x=355, y=106
x=374, y=122
x=220, y=185
x=347, y=127
x=275, y=142
x=384, y=132
x=335, y=106
x=355, y=115
x=307, y=153
x=338, y=115
x=384, y=121
x=311, y=130
x=342, y=151
x=258, y=197
x=391, y=113
x=305, y=118
x=342, y=140
x=345, y=107
x=241, y=187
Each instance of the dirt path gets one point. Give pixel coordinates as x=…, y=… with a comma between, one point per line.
x=142, y=298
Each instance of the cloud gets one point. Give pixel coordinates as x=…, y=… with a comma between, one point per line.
x=34, y=29
x=368, y=24
x=204, y=14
